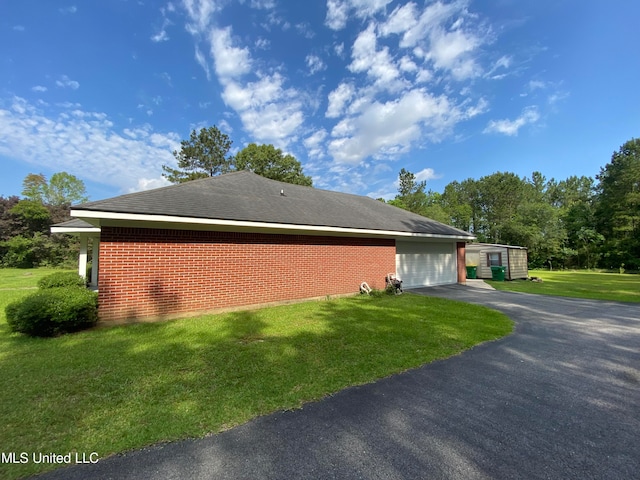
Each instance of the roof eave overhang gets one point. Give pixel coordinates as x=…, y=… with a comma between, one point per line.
x=76, y=230
x=102, y=218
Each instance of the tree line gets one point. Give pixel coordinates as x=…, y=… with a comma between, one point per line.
x=578, y=222
x=25, y=223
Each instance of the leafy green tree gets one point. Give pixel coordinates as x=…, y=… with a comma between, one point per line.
x=537, y=226
x=25, y=237
x=461, y=203
x=66, y=189
x=589, y=238
x=618, y=209
x=433, y=208
x=18, y=252
x=205, y=154
x=34, y=187
x=32, y=217
x=500, y=194
x=62, y=189
x=270, y=162
x=7, y=221
x=411, y=193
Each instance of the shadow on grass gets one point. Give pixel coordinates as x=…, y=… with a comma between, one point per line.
x=115, y=389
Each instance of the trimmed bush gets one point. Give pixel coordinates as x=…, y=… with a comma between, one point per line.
x=53, y=311
x=61, y=279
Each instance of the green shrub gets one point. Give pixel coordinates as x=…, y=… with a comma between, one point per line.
x=61, y=279
x=53, y=311
x=17, y=252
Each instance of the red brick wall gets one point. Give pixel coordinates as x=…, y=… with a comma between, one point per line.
x=152, y=272
x=462, y=262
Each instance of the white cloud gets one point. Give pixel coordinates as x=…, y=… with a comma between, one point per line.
x=66, y=82
x=230, y=61
x=424, y=76
x=305, y=30
x=261, y=4
x=439, y=34
x=39, y=88
x=161, y=36
x=338, y=11
x=224, y=126
x=449, y=49
x=262, y=43
x=479, y=108
x=536, y=85
x=315, y=143
x=401, y=20
x=378, y=64
x=408, y=65
x=18, y=28
x=85, y=144
x=149, y=184
x=166, y=78
x=202, y=61
x=339, y=98
x=68, y=10
x=557, y=97
x=503, y=62
x=385, y=130
x=510, y=127
x=268, y=110
x=253, y=94
x=200, y=14
x=337, y=14
x=315, y=64
x=426, y=175
x=275, y=122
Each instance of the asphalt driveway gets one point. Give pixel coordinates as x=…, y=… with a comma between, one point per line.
x=560, y=399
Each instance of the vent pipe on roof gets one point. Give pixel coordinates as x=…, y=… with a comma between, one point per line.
x=282, y=192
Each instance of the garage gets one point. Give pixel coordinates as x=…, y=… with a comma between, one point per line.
x=426, y=263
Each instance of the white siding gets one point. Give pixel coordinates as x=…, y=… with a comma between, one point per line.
x=420, y=264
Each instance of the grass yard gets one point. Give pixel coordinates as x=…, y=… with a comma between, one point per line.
x=114, y=389
x=578, y=284
x=21, y=278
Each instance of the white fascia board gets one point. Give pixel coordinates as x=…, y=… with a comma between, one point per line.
x=242, y=224
x=74, y=230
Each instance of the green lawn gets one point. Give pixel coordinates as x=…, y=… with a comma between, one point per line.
x=16, y=278
x=114, y=389
x=579, y=284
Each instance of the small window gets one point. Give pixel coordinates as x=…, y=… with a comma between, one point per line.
x=494, y=259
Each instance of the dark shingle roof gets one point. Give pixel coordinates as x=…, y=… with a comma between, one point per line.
x=245, y=196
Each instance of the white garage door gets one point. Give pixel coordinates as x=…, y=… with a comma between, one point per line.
x=421, y=264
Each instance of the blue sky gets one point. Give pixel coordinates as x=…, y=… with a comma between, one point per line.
x=354, y=89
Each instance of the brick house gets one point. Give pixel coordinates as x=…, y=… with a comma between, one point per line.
x=240, y=240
